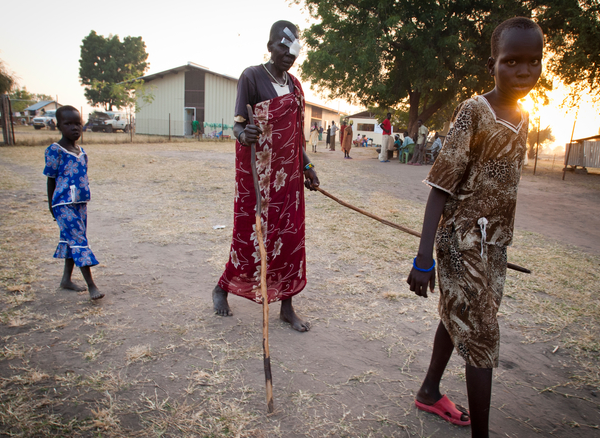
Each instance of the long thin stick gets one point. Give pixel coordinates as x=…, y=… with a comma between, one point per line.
x=568, y=151
x=400, y=227
x=263, y=273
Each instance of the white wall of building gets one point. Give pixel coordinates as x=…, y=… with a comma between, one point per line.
x=376, y=135
x=219, y=99
x=327, y=116
x=169, y=98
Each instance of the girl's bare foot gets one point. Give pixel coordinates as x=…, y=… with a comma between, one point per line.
x=68, y=284
x=220, y=303
x=95, y=294
x=288, y=315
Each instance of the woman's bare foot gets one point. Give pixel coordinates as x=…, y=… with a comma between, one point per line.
x=220, y=303
x=68, y=284
x=95, y=294
x=288, y=315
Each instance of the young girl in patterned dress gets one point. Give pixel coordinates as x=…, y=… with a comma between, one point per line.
x=472, y=206
x=68, y=194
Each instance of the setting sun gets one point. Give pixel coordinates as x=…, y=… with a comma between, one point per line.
x=561, y=118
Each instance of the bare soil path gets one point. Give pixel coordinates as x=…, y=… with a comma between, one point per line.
x=151, y=359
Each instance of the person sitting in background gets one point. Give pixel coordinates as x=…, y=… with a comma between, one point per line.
x=408, y=145
x=397, y=142
x=365, y=141
x=436, y=146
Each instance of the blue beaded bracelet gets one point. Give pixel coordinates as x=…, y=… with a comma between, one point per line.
x=422, y=270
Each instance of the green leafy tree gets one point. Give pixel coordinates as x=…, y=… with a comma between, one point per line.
x=106, y=64
x=7, y=79
x=423, y=57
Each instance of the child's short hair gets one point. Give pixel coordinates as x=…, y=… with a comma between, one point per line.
x=64, y=109
x=512, y=23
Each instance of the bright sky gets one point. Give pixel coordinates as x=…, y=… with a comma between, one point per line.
x=40, y=43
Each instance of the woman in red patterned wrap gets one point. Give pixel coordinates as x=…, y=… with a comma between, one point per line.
x=283, y=170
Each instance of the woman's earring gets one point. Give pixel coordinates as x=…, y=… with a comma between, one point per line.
x=271, y=61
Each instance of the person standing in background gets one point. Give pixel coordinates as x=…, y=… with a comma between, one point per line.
x=347, y=142
x=342, y=130
x=386, y=126
x=196, y=129
x=314, y=134
x=332, y=132
x=422, y=132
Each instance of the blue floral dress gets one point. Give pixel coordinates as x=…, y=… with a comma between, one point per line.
x=69, y=203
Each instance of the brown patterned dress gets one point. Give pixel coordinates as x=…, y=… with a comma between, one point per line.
x=480, y=167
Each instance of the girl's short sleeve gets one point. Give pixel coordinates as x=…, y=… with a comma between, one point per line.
x=449, y=168
x=52, y=155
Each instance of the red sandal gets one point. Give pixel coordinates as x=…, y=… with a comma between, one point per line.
x=447, y=410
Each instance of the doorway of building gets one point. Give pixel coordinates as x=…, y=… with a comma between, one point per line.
x=190, y=116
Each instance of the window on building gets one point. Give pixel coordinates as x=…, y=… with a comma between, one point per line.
x=365, y=127
x=317, y=113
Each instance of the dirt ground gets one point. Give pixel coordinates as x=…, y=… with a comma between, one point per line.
x=151, y=358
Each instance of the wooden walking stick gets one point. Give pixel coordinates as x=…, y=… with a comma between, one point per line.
x=263, y=272
x=400, y=227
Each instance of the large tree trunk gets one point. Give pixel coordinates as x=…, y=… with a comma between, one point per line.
x=414, y=99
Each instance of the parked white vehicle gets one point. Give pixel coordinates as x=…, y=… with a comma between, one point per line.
x=42, y=121
x=109, y=121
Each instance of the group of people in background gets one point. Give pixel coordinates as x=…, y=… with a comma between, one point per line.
x=346, y=135
x=409, y=152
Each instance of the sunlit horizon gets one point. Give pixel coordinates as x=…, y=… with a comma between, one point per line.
x=561, y=118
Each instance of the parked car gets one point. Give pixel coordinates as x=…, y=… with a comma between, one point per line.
x=108, y=121
x=42, y=121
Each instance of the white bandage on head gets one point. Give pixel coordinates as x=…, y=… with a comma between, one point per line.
x=292, y=43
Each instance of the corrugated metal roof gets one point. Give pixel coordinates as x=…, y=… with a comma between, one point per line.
x=593, y=137
x=176, y=70
x=37, y=106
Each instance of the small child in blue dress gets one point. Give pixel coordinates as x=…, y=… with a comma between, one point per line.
x=68, y=195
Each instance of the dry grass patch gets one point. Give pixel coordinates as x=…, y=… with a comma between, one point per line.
x=174, y=193
x=139, y=353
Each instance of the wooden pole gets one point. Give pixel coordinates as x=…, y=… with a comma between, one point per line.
x=12, y=125
x=400, y=227
x=568, y=152
x=81, y=140
x=537, y=144
x=169, y=126
x=263, y=273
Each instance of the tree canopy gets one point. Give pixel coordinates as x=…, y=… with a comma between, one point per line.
x=6, y=79
x=423, y=57
x=106, y=64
